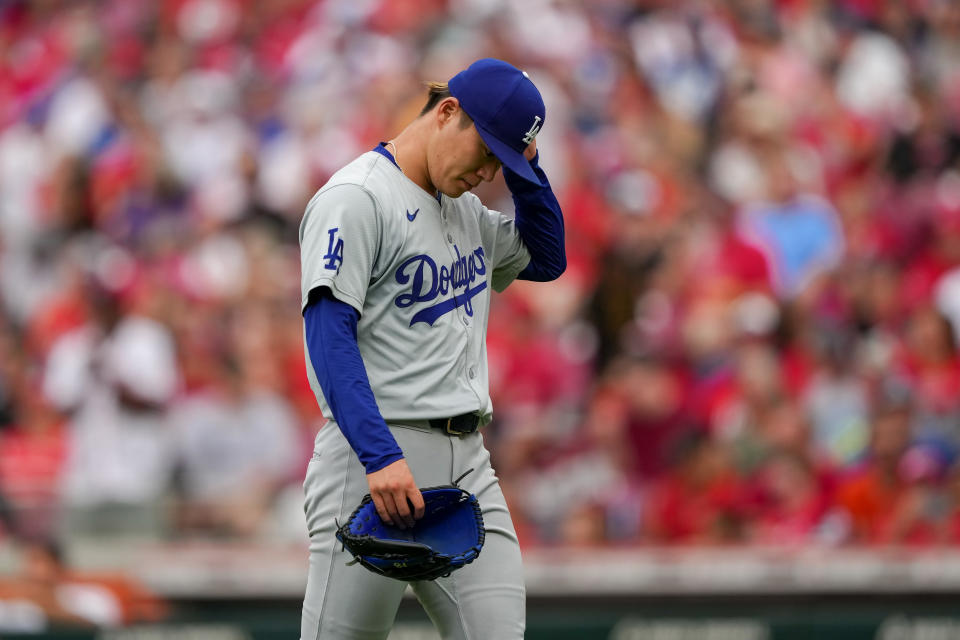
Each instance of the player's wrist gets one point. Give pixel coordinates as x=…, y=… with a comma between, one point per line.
x=519, y=185
x=380, y=463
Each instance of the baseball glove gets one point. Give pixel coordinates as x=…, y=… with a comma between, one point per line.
x=447, y=537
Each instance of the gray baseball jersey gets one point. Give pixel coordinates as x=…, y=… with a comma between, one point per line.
x=420, y=272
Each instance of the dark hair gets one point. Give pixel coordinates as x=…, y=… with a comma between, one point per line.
x=437, y=92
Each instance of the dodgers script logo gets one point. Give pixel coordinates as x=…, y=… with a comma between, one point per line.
x=429, y=282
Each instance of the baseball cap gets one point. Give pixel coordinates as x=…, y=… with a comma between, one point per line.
x=505, y=107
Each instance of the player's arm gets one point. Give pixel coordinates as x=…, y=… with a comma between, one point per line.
x=339, y=239
x=331, y=334
x=539, y=222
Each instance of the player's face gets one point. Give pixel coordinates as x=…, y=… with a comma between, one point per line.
x=459, y=159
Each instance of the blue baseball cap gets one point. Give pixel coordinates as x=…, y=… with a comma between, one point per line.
x=505, y=107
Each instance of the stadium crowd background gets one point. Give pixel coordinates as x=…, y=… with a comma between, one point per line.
x=755, y=341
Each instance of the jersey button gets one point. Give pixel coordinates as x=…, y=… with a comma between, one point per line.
x=472, y=373
x=450, y=238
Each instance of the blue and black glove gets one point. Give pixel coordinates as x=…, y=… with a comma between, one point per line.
x=448, y=536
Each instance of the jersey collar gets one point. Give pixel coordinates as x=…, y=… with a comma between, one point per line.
x=382, y=150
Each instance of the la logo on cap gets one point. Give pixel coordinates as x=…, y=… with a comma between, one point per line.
x=506, y=108
x=532, y=131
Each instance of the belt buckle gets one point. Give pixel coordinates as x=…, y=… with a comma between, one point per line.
x=454, y=432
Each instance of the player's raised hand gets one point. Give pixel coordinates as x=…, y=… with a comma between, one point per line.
x=393, y=490
x=530, y=151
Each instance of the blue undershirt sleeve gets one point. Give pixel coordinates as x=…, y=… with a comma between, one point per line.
x=331, y=334
x=540, y=224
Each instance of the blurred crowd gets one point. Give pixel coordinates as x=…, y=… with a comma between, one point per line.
x=755, y=341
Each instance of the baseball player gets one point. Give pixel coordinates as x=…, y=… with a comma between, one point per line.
x=398, y=263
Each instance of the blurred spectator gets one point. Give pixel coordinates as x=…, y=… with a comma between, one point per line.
x=928, y=362
x=48, y=593
x=35, y=599
x=920, y=514
x=700, y=500
x=624, y=273
x=237, y=446
x=656, y=397
x=869, y=492
x=794, y=503
x=798, y=232
x=115, y=377
x=738, y=408
x=33, y=453
x=837, y=398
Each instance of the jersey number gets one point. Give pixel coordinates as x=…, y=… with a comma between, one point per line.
x=334, y=257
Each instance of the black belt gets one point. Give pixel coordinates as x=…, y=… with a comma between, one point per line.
x=461, y=425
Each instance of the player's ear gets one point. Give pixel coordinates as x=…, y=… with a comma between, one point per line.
x=448, y=110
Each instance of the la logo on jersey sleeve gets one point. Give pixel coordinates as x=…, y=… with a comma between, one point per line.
x=334, y=256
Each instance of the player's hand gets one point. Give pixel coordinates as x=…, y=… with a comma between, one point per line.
x=530, y=151
x=394, y=491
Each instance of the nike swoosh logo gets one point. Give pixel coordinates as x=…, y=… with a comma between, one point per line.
x=412, y=216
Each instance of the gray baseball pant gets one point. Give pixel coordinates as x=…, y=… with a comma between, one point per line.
x=484, y=600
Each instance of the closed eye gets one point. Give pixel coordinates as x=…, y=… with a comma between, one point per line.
x=487, y=154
